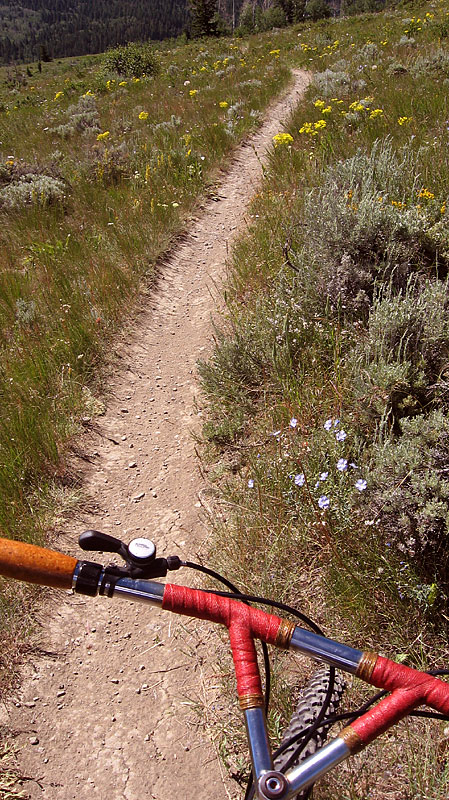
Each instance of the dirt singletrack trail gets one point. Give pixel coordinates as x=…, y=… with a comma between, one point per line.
x=109, y=712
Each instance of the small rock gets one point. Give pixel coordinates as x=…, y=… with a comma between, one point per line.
x=138, y=497
x=114, y=680
x=33, y=740
x=124, y=410
x=30, y=704
x=132, y=464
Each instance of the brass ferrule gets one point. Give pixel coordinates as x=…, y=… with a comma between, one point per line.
x=284, y=634
x=351, y=739
x=251, y=701
x=366, y=665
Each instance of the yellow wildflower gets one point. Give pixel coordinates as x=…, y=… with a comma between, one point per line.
x=319, y=104
x=282, y=138
x=193, y=92
x=58, y=95
x=404, y=120
x=123, y=83
x=102, y=136
x=223, y=104
x=327, y=110
x=274, y=52
x=426, y=194
x=143, y=115
x=377, y=112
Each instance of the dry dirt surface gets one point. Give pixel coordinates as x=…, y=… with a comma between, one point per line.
x=112, y=707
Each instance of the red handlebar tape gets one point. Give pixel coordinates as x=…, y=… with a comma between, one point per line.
x=244, y=624
x=410, y=689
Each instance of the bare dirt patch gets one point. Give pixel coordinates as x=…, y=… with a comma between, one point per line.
x=109, y=710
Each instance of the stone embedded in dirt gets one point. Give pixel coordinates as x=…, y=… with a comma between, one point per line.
x=29, y=704
x=114, y=680
x=124, y=410
x=132, y=464
x=61, y=693
x=138, y=497
x=33, y=740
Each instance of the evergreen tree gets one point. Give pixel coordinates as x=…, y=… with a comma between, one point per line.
x=293, y=9
x=203, y=17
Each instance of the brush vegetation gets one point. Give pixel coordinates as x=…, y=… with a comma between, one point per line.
x=327, y=391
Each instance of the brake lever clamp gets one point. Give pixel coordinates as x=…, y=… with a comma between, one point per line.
x=139, y=556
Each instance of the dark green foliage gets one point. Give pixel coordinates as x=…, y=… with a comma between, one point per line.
x=293, y=10
x=81, y=27
x=317, y=9
x=131, y=60
x=203, y=17
x=409, y=495
x=253, y=19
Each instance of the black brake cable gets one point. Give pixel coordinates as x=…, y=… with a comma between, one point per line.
x=237, y=595
x=320, y=721
x=266, y=659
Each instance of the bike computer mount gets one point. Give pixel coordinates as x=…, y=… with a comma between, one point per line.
x=139, y=555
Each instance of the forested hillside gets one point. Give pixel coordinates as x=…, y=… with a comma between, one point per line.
x=75, y=27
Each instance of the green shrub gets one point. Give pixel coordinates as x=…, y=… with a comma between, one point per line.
x=82, y=117
x=366, y=226
x=38, y=190
x=131, y=60
x=408, y=495
x=399, y=368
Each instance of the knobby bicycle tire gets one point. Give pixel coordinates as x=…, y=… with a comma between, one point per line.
x=308, y=707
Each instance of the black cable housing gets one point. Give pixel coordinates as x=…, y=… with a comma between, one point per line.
x=321, y=721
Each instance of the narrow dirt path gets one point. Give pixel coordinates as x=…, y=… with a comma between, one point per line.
x=109, y=712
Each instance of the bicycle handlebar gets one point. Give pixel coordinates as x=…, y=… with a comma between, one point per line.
x=409, y=688
x=27, y=562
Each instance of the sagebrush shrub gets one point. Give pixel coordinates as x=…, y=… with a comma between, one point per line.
x=366, y=226
x=399, y=367
x=82, y=117
x=436, y=64
x=38, y=190
x=409, y=494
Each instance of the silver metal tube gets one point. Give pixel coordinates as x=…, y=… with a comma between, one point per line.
x=256, y=729
x=339, y=655
x=316, y=765
x=142, y=591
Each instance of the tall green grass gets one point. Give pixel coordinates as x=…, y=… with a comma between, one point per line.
x=99, y=171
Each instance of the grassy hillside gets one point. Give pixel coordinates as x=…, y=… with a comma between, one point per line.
x=328, y=388
x=99, y=172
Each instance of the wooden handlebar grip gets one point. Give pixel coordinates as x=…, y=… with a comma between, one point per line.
x=26, y=562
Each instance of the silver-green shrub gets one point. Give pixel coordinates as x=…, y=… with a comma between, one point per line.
x=82, y=117
x=409, y=497
x=436, y=63
x=366, y=226
x=37, y=190
x=399, y=368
